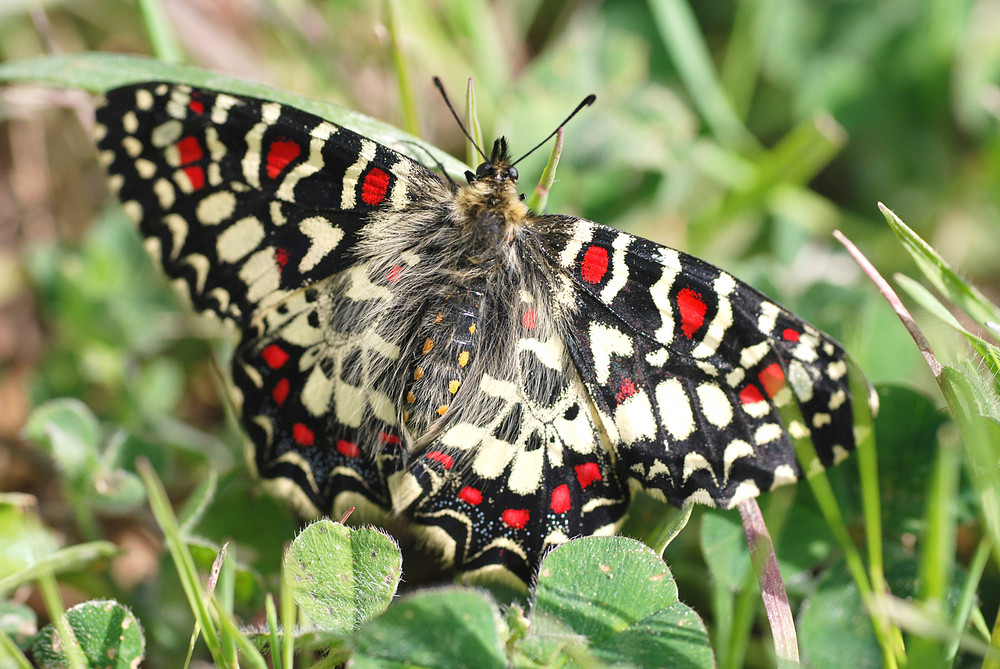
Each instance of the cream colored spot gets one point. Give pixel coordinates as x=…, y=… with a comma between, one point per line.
x=768, y=317
x=604, y=343
x=178, y=233
x=837, y=370
x=239, y=239
x=675, y=409
x=220, y=110
x=166, y=134
x=130, y=122
x=216, y=207
x=798, y=430
x=145, y=168
x=132, y=146
x=133, y=209
x=634, y=418
x=715, y=404
x=783, y=475
x=798, y=378
x=261, y=275
x=736, y=449
x=115, y=181
x=767, y=433
x=165, y=193
x=658, y=358
x=323, y=238
x=277, y=214
x=143, y=99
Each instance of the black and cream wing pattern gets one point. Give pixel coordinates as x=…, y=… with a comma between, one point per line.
x=411, y=346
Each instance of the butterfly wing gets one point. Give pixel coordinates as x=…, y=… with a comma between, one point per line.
x=497, y=495
x=254, y=208
x=703, y=384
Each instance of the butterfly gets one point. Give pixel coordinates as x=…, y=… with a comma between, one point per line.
x=411, y=346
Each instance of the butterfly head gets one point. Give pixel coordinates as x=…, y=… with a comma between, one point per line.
x=497, y=168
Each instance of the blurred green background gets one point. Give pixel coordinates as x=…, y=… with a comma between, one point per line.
x=741, y=132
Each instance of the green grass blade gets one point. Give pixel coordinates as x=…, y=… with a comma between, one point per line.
x=744, y=51
x=184, y=563
x=990, y=353
x=540, y=198
x=407, y=97
x=160, y=32
x=685, y=43
x=472, y=124
x=940, y=273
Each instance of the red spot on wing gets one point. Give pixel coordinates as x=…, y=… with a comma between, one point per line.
x=375, y=186
x=196, y=176
x=279, y=154
x=197, y=106
x=393, y=275
x=303, y=435
x=387, y=438
x=594, y=265
x=625, y=390
x=529, y=319
x=516, y=518
x=189, y=150
x=281, y=255
x=470, y=495
x=750, y=395
x=274, y=356
x=560, y=499
x=790, y=335
x=348, y=449
x=587, y=473
x=280, y=391
x=445, y=459
x=692, y=308
x=772, y=378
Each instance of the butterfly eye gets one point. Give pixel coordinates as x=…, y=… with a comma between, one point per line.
x=512, y=173
x=483, y=170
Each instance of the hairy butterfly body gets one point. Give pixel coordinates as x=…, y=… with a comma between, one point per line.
x=499, y=378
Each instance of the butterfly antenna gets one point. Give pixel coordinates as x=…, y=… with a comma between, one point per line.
x=440, y=87
x=587, y=101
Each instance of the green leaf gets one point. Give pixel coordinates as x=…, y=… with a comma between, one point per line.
x=340, y=576
x=99, y=72
x=831, y=628
x=109, y=634
x=69, y=432
x=17, y=621
x=725, y=547
x=23, y=542
x=614, y=600
x=74, y=558
x=450, y=627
